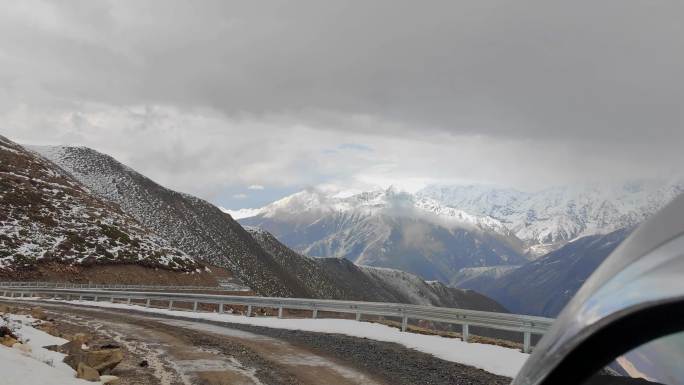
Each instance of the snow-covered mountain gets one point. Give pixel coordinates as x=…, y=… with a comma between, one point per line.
x=313, y=203
x=547, y=219
x=388, y=228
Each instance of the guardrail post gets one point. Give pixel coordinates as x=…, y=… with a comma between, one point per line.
x=194, y=306
x=147, y=303
x=465, y=333
x=358, y=316
x=95, y=299
x=404, y=323
x=249, y=310
x=112, y=299
x=80, y=297
x=170, y=304
x=220, y=308
x=314, y=313
x=128, y=301
x=527, y=337
x=280, y=312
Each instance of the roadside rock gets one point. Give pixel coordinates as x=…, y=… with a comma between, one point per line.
x=8, y=341
x=102, y=360
x=78, y=344
x=86, y=372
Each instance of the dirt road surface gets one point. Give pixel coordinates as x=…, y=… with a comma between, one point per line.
x=181, y=351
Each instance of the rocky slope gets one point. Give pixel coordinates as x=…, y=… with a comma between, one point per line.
x=544, y=286
x=46, y=216
x=191, y=224
x=336, y=278
x=547, y=219
x=392, y=229
x=312, y=278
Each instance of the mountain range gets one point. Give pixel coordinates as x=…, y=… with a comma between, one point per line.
x=449, y=232
x=75, y=209
x=71, y=209
x=389, y=228
x=546, y=220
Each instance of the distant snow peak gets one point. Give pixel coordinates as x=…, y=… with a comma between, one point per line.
x=547, y=219
x=390, y=201
x=241, y=213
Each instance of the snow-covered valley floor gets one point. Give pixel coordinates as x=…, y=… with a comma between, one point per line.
x=494, y=359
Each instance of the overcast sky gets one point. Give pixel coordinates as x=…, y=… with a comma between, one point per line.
x=243, y=102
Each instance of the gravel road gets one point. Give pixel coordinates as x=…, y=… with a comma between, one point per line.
x=185, y=351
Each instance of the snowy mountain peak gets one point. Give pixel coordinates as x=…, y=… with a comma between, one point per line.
x=390, y=201
x=547, y=219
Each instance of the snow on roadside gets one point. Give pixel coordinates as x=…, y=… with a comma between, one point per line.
x=491, y=358
x=39, y=366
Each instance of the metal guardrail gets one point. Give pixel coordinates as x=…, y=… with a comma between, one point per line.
x=527, y=325
x=224, y=286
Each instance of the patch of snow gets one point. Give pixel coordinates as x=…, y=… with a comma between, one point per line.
x=39, y=366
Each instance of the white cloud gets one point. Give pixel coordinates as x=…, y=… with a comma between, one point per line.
x=255, y=187
x=208, y=99
x=239, y=196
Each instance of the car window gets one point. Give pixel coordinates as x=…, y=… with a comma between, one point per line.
x=660, y=361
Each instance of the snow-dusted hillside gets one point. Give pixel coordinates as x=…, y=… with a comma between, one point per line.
x=547, y=219
x=387, y=228
x=47, y=216
x=192, y=224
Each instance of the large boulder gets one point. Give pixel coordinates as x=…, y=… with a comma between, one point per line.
x=102, y=360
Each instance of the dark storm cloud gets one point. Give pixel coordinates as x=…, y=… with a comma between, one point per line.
x=584, y=76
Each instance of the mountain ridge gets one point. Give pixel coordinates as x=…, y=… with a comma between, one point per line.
x=207, y=233
x=543, y=286
x=386, y=228
x=49, y=217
